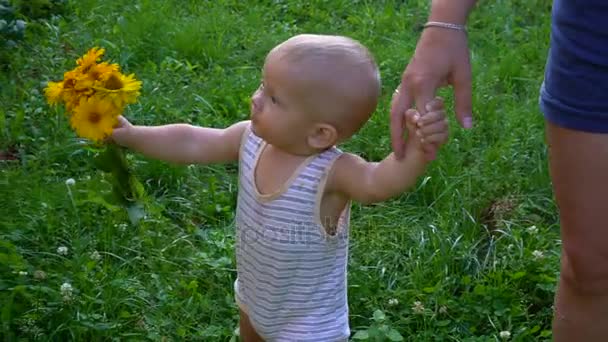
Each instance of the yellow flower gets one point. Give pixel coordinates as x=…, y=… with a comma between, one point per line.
x=53, y=92
x=120, y=89
x=90, y=58
x=70, y=78
x=94, y=118
x=78, y=85
x=102, y=71
x=71, y=94
x=93, y=78
x=84, y=86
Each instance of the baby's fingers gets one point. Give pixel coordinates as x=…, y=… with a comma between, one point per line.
x=432, y=128
x=122, y=122
x=435, y=139
x=411, y=119
x=431, y=118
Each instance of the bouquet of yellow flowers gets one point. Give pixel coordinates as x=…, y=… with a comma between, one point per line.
x=95, y=93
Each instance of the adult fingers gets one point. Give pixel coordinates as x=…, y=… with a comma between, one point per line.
x=402, y=100
x=435, y=104
x=424, y=92
x=462, y=93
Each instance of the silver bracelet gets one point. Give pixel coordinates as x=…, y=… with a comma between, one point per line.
x=446, y=25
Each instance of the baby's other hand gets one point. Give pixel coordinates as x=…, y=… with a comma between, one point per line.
x=121, y=131
x=431, y=130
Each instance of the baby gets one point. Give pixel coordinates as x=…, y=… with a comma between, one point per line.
x=295, y=185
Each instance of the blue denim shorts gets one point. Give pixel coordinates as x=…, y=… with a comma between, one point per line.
x=574, y=93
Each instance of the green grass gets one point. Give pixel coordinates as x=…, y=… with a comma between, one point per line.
x=459, y=244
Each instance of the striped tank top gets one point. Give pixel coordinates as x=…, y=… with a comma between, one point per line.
x=291, y=274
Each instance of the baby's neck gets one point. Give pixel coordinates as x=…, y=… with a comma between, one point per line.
x=275, y=167
x=290, y=154
x=295, y=151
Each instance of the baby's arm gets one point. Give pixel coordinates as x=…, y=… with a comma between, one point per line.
x=182, y=143
x=371, y=182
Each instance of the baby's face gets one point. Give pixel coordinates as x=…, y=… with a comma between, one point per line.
x=277, y=113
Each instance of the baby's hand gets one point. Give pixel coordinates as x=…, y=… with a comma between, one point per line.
x=430, y=131
x=121, y=132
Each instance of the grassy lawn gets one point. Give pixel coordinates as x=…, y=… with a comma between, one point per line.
x=472, y=252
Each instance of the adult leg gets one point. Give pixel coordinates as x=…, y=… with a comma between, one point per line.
x=246, y=330
x=579, y=171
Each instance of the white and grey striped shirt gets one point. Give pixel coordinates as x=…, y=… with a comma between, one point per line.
x=291, y=274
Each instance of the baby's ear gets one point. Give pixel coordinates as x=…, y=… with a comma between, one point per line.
x=322, y=136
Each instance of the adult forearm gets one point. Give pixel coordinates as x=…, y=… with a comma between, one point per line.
x=451, y=11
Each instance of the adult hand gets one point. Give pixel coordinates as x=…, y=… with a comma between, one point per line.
x=441, y=58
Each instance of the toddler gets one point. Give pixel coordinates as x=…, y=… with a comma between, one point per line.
x=295, y=185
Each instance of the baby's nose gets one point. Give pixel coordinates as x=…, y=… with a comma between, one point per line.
x=256, y=101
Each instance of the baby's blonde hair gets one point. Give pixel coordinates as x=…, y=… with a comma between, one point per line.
x=342, y=74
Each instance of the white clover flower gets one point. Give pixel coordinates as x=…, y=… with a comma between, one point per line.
x=70, y=181
x=95, y=256
x=443, y=310
x=62, y=250
x=418, y=307
x=66, y=290
x=532, y=230
x=393, y=301
x=538, y=254
x=505, y=334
